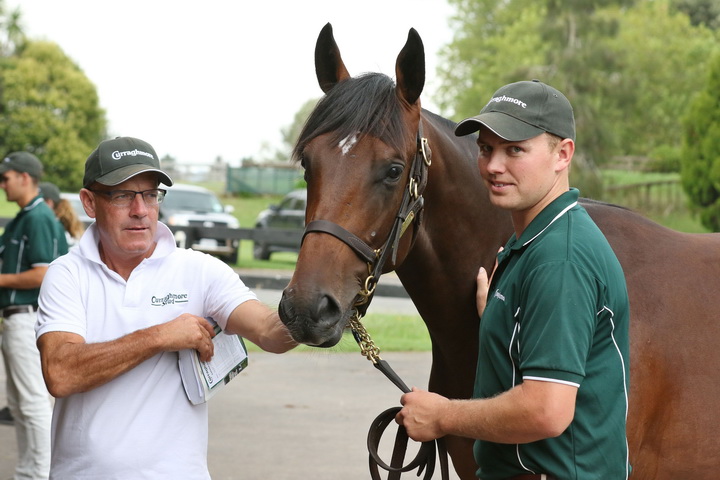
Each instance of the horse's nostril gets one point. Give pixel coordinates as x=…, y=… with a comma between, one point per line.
x=327, y=308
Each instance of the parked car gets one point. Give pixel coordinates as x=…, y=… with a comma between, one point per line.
x=190, y=205
x=289, y=214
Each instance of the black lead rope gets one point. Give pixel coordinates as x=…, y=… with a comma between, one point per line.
x=429, y=451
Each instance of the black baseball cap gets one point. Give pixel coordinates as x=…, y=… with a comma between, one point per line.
x=121, y=158
x=523, y=110
x=23, y=162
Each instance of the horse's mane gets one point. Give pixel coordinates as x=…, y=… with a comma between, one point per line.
x=363, y=105
x=449, y=124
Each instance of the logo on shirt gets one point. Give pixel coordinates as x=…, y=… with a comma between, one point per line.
x=169, y=299
x=499, y=295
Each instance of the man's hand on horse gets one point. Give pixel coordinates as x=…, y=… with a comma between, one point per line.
x=483, y=284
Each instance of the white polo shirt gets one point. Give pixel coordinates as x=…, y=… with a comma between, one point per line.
x=141, y=424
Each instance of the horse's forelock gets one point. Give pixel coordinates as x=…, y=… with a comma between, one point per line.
x=364, y=105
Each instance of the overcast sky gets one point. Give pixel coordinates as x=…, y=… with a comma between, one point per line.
x=221, y=77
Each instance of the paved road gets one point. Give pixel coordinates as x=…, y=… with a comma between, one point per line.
x=294, y=416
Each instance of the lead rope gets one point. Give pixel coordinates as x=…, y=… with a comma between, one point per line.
x=410, y=211
x=427, y=455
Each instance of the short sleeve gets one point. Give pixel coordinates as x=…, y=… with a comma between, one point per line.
x=225, y=291
x=558, y=322
x=60, y=306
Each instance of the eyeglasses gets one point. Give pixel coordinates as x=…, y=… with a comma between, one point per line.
x=123, y=198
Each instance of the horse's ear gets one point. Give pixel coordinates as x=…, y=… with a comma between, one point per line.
x=329, y=66
x=410, y=68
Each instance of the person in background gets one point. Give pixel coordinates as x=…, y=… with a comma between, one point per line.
x=115, y=311
x=64, y=212
x=30, y=242
x=552, y=378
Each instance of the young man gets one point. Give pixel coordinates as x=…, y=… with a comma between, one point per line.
x=32, y=240
x=113, y=314
x=551, y=387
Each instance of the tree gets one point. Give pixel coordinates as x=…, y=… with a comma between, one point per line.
x=621, y=72
x=291, y=132
x=11, y=32
x=701, y=12
x=50, y=108
x=661, y=64
x=554, y=41
x=700, y=172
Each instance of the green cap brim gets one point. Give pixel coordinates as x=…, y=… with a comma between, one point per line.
x=118, y=176
x=501, y=124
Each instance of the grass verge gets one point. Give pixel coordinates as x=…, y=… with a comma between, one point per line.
x=391, y=333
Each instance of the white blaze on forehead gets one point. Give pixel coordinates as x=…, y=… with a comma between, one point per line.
x=347, y=143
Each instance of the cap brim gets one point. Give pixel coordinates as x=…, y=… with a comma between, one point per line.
x=501, y=124
x=118, y=176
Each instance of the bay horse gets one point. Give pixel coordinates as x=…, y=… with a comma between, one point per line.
x=359, y=148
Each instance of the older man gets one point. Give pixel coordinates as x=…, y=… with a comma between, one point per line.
x=109, y=350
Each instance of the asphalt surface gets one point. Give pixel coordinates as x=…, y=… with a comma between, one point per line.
x=296, y=415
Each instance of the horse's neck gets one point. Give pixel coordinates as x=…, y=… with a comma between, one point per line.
x=460, y=229
x=459, y=216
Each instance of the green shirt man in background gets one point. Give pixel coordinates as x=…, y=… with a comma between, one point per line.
x=552, y=381
x=31, y=240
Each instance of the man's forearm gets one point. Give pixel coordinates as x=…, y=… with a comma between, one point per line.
x=26, y=280
x=73, y=367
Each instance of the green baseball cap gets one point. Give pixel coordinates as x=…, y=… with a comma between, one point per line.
x=23, y=162
x=121, y=158
x=523, y=110
x=49, y=191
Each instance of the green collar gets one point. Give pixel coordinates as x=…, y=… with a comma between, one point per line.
x=544, y=219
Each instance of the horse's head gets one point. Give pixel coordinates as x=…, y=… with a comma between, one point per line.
x=360, y=149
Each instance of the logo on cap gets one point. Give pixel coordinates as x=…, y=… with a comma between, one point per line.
x=508, y=99
x=117, y=155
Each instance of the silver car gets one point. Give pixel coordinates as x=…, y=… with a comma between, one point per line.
x=193, y=206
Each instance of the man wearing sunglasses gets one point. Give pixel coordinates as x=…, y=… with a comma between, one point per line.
x=114, y=314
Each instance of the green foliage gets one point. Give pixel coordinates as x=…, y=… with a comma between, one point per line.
x=628, y=67
x=662, y=64
x=11, y=32
x=665, y=159
x=700, y=170
x=701, y=12
x=50, y=108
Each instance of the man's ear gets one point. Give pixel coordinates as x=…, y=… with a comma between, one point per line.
x=565, y=151
x=88, y=202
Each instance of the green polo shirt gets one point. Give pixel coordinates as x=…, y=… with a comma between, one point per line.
x=558, y=311
x=33, y=238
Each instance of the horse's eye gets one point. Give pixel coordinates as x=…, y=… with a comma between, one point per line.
x=304, y=164
x=394, y=172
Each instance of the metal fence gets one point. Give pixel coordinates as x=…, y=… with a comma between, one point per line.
x=663, y=197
